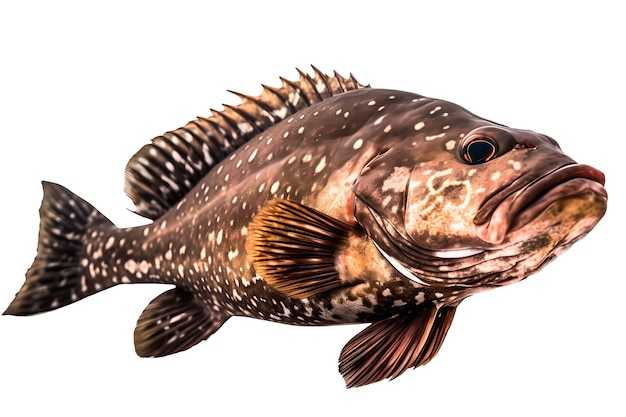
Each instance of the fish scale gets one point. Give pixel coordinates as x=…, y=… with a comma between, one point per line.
x=322, y=202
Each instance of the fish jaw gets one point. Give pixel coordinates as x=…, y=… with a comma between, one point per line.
x=582, y=184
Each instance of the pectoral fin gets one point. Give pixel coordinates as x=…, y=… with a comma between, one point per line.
x=389, y=347
x=293, y=247
x=173, y=322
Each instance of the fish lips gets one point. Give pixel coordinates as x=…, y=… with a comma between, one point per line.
x=502, y=214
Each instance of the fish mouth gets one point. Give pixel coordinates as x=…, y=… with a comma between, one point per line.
x=511, y=210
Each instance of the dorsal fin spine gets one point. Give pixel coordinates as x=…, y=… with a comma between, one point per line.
x=256, y=125
x=195, y=143
x=229, y=127
x=321, y=85
x=308, y=86
x=226, y=141
x=254, y=102
x=295, y=95
x=286, y=103
x=210, y=150
x=157, y=180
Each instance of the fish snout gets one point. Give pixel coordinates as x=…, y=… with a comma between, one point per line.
x=575, y=193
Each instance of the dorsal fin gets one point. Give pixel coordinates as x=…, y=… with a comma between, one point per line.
x=162, y=172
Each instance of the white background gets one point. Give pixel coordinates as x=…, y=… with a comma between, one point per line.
x=82, y=87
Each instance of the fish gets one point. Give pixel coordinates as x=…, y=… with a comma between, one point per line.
x=321, y=202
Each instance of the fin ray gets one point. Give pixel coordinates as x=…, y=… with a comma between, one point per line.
x=174, y=322
x=292, y=247
x=57, y=277
x=389, y=347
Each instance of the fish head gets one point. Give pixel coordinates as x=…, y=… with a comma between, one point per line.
x=460, y=200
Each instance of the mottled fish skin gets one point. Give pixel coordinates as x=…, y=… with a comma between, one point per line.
x=366, y=205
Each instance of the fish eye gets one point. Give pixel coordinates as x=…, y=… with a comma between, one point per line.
x=478, y=149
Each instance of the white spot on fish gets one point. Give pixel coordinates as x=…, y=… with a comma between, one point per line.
x=419, y=126
x=433, y=137
x=495, y=175
x=307, y=158
x=274, y=187
x=220, y=235
x=435, y=110
x=253, y=155
x=516, y=165
x=379, y=120
x=285, y=135
x=321, y=165
x=371, y=103
x=450, y=145
x=357, y=144
x=301, y=129
x=387, y=129
x=130, y=266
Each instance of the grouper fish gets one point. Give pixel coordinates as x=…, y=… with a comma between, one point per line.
x=321, y=202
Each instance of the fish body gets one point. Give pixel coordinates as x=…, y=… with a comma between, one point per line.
x=322, y=202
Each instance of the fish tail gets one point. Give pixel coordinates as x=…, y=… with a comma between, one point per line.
x=59, y=274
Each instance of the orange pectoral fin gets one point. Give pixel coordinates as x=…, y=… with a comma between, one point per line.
x=293, y=247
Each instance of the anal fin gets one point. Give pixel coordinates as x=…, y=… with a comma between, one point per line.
x=387, y=348
x=293, y=247
x=174, y=322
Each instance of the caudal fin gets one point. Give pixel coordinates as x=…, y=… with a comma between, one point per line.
x=59, y=275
